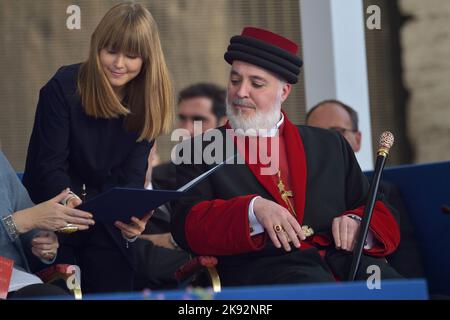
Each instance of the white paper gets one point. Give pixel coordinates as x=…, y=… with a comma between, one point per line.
x=193, y=182
x=20, y=279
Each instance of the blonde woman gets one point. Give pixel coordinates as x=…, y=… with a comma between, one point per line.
x=95, y=125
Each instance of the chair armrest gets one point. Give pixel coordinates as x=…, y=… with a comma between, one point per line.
x=60, y=272
x=191, y=270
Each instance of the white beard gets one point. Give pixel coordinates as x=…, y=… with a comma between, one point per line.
x=258, y=123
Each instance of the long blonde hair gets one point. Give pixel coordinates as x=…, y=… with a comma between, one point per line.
x=131, y=29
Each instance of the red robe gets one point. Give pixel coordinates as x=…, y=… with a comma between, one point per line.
x=204, y=225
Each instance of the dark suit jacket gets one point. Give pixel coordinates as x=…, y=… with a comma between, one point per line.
x=164, y=176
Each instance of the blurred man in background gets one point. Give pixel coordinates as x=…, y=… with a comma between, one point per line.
x=200, y=107
x=336, y=115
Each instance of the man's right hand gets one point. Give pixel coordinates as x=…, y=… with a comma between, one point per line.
x=270, y=215
x=51, y=216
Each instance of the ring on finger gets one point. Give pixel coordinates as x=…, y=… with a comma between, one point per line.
x=69, y=228
x=70, y=196
x=278, y=228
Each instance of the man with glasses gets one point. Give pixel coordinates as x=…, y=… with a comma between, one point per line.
x=157, y=253
x=335, y=115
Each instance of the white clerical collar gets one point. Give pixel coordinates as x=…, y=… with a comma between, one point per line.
x=273, y=132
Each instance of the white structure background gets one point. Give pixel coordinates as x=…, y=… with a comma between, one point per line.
x=335, y=67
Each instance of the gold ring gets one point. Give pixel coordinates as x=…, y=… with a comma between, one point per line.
x=66, y=201
x=278, y=228
x=69, y=228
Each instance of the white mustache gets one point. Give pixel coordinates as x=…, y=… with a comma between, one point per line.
x=242, y=102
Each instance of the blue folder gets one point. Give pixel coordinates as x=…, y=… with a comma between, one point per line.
x=120, y=204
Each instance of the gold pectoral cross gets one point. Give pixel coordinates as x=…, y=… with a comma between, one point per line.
x=285, y=194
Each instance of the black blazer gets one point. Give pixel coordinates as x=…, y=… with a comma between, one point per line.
x=333, y=186
x=68, y=148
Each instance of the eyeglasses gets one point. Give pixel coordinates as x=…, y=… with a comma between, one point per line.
x=342, y=130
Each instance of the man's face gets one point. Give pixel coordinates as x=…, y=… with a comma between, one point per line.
x=333, y=116
x=254, y=93
x=196, y=109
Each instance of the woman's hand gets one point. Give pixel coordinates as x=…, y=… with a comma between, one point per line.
x=72, y=201
x=135, y=228
x=51, y=216
x=45, y=245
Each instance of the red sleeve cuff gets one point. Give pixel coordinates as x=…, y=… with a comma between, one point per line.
x=221, y=227
x=384, y=228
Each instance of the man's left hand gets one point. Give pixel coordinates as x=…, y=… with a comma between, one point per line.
x=345, y=230
x=135, y=228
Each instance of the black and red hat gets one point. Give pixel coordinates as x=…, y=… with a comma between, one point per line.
x=267, y=50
